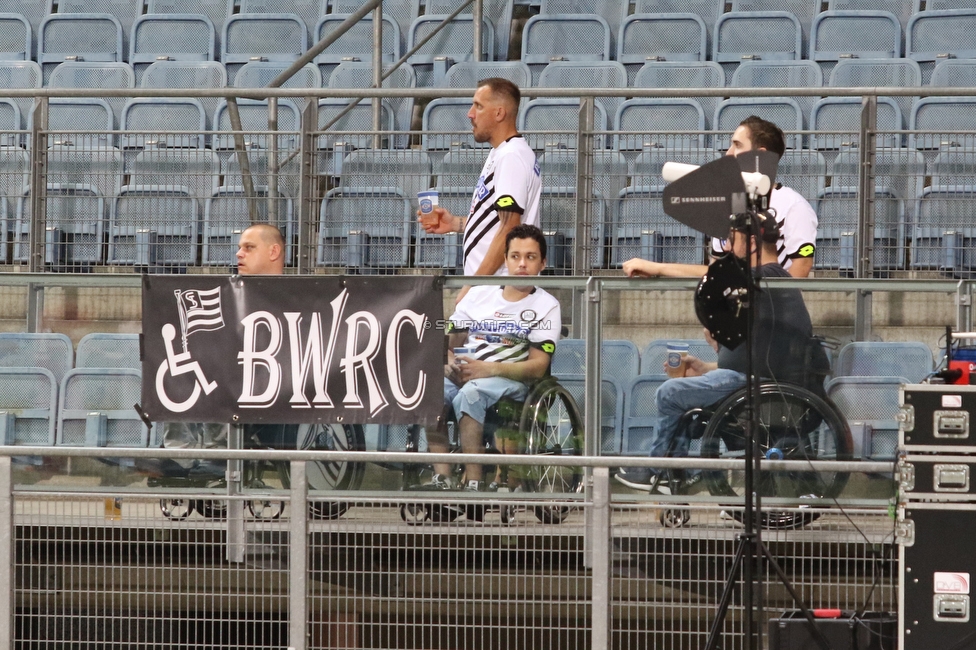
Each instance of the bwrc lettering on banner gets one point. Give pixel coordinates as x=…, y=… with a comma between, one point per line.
x=251, y=349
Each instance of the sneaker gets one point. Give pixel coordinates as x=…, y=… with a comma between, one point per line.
x=440, y=482
x=640, y=478
x=474, y=486
x=474, y=511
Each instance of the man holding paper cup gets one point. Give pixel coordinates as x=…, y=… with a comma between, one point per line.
x=508, y=189
x=781, y=339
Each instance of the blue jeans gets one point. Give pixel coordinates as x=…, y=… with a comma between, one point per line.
x=478, y=395
x=676, y=396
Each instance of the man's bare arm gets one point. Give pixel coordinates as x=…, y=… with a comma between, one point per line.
x=531, y=369
x=639, y=268
x=495, y=255
x=801, y=267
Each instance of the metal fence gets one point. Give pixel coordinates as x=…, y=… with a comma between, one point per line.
x=107, y=566
x=168, y=187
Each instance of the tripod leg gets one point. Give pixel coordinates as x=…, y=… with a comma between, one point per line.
x=807, y=614
x=723, y=606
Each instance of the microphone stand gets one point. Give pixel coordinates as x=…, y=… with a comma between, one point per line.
x=751, y=550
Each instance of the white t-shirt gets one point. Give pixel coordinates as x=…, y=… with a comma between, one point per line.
x=798, y=226
x=509, y=180
x=500, y=330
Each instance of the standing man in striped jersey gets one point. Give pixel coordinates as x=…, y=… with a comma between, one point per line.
x=508, y=188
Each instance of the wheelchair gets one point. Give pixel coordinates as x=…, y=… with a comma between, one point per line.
x=794, y=423
x=546, y=423
x=321, y=476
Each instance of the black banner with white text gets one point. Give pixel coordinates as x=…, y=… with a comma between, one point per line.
x=251, y=349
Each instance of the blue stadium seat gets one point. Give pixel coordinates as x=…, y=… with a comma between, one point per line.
x=843, y=115
x=459, y=169
x=498, y=11
x=803, y=170
x=28, y=406
x=10, y=122
x=952, y=166
x=365, y=228
x=909, y=359
x=198, y=170
x=467, y=74
x=934, y=35
x=154, y=225
x=803, y=10
x=895, y=73
x=558, y=167
x=355, y=127
x=99, y=167
x=902, y=9
x=125, y=11
x=780, y=74
x=95, y=409
x=215, y=10
x=259, y=74
x=226, y=216
x=784, y=112
x=559, y=206
x=307, y=10
x=16, y=38
x=151, y=120
x=901, y=171
x=644, y=122
x=355, y=45
x=32, y=10
x=357, y=74
x=661, y=37
x=954, y=73
x=655, y=353
x=171, y=37
x=262, y=173
x=559, y=116
x=75, y=216
x=262, y=37
x=684, y=74
x=21, y=74
x=409, y=168
x=620, y=359
x=640, y=228
x=14, y=177
x=587, y=74
x=108, y=350
x=749, y=35
x=950, y=117
x=944, y=235
x=69, y=118
x=79, y=37
x=254, y=117
x=611, y=407
x=570, y=37
x=401, y=12
x=49, y=350
x=837, y=230
x=941, y=5
x=613, y=11
x=707, y=10
x=837, y=35
x=645, y=168
x=451, y=44
x=871, y=407
x=95, y=75
x=641, y=417
x=188, y=74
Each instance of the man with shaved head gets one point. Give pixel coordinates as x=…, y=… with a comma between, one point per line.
x=508, y=189
x=261, y=251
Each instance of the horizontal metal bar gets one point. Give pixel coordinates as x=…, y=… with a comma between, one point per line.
x=428, y=458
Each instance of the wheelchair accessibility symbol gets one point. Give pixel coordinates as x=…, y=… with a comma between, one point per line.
x=199, y=311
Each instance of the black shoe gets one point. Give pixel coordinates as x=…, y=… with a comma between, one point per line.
x=637, y=478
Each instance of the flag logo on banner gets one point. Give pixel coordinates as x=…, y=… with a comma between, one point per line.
x=199, y=310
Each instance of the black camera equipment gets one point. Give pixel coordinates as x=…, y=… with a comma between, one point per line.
x=733, y=193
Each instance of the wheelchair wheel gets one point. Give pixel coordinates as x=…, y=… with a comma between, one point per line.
x=553, y=427
x=176, y=509
x=329, y=476
x=793, y=424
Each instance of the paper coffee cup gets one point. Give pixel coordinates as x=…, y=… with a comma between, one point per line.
x=676, y=356
x=428, y=200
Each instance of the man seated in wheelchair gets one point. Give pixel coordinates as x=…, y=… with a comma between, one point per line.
x=500, y=338
x=784, y=350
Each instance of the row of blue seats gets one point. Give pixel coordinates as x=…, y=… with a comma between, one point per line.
x=50, y=395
